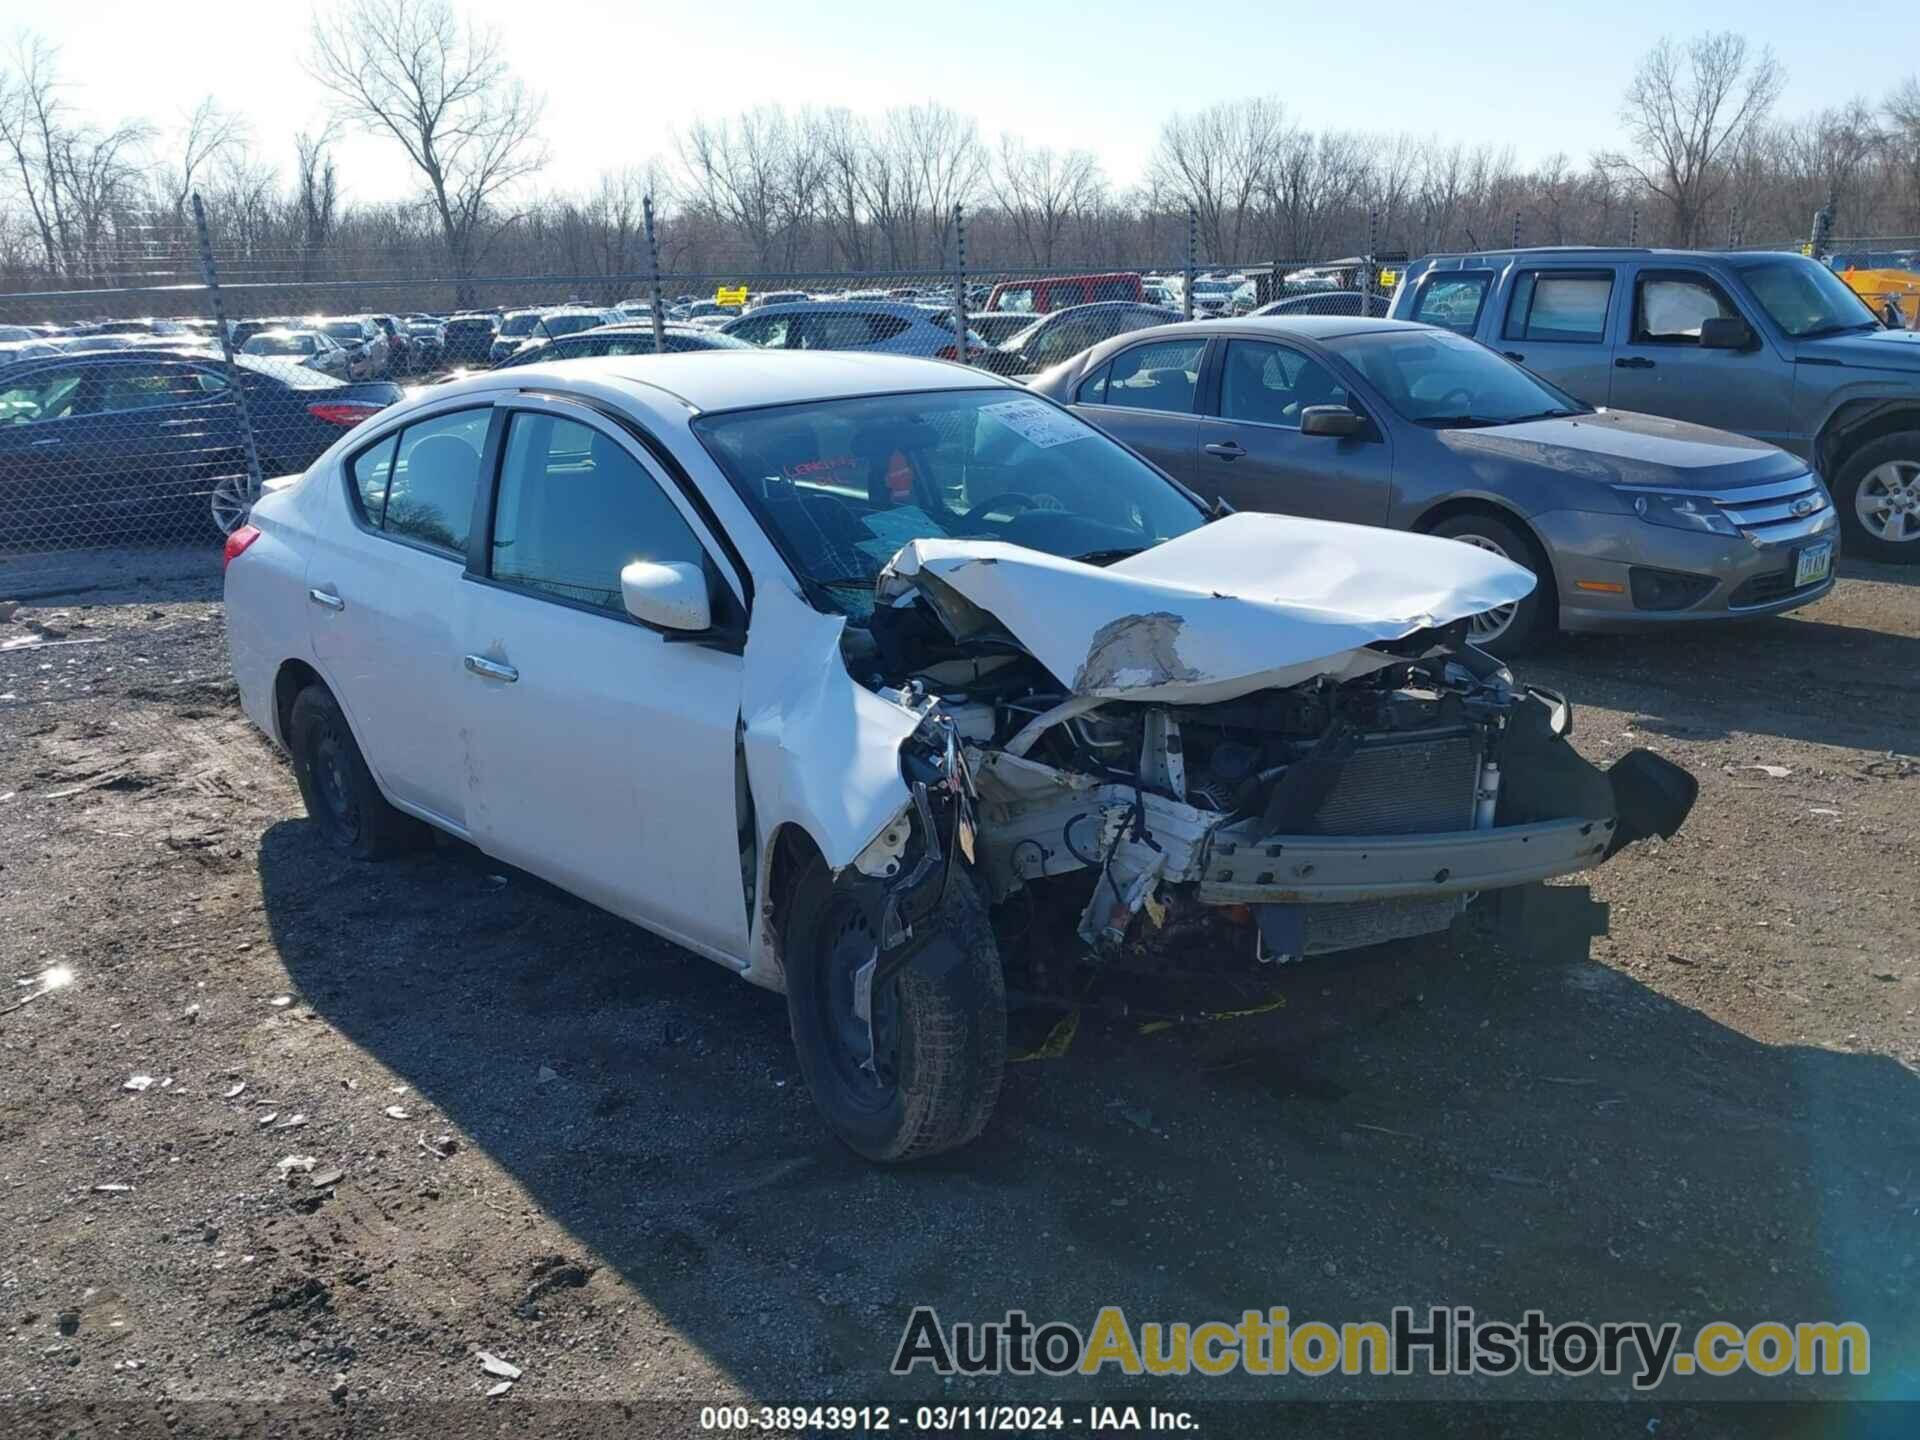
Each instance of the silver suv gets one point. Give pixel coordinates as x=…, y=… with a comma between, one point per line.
x=1767, y=344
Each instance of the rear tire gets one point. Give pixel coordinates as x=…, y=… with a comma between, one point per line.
x=1878, y=493
x=340, y=792
x=939, y=1032
x=1530, y=624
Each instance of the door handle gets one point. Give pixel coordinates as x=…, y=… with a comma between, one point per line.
x=491, y=669
x=1633, y=362
x=1514, y=355
x=50, y=440
x=326, y=598
x=1226, y=449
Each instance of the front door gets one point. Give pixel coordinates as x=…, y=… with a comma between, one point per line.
x=1660, y=368
x=1253, y=454
x=600, y=754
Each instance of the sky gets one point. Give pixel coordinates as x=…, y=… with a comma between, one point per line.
x=621, y=76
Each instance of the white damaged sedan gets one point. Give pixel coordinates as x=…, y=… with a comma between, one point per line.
x=819, y=663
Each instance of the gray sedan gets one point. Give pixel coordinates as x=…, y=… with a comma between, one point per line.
x=1627, y=519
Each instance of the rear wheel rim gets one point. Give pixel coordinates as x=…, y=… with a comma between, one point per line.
x=1887, y=502
x=1489, y=625
x=231, y=503
x=333, y=786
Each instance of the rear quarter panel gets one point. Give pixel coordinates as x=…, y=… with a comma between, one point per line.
x=266, y=600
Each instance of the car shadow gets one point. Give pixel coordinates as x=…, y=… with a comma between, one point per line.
x=1513, y=1125
x=1801, y=679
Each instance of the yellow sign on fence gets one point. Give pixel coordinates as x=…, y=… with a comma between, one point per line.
x=730, y=295
x=1389, y=279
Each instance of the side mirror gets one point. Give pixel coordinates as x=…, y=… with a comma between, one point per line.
x=1725, y=332
x=670, y=596
x=1334, y=420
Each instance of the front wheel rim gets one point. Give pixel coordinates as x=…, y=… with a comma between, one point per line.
x=1489, y=625
x=1887, y=502
x=863, y=1054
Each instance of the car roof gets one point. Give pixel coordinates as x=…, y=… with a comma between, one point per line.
x=744, y=379
x=1305, y=327
x=904, y=308
x=1596, y=252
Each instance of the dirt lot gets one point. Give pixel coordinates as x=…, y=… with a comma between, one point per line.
x=568, y=1145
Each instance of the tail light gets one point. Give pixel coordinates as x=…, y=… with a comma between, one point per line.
x=237, y=544
x=342, y=412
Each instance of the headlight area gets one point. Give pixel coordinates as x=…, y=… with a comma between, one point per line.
x=1677, y=510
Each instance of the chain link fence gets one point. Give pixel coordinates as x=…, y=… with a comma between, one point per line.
x=142, y=419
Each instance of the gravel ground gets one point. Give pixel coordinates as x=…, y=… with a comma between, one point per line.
x=563, y=1143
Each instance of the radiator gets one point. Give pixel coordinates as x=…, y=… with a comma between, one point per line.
x=1411, y=785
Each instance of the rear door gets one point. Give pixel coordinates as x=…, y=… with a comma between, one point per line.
x=1557, y=323
x=1146, y=396
x=1451, y=299
x=383, y=595
x=163, y=432
x=1659, y=367
x=44, y=494
x=600, y=754
x=1253, y=455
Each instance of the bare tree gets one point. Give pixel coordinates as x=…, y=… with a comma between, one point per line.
x=207, y=135
x=1219, y=162
x=1687, y=108
x=317, y=195
x=444, y=91
x=1040, y=191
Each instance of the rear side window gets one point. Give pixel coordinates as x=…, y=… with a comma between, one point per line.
x=419, y=485
x=575, y=509
x=1670, y=309
x=1550, y=305
x=1451, y=301
x=1161, y=375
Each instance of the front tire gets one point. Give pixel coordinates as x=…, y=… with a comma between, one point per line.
x=1510, y=630
x=924, y=1076
x=1878, y=497
x=340, y=792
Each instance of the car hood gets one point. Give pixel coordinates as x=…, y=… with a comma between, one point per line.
x=1620, y=447
x=1873, y=350
x=1245, y=603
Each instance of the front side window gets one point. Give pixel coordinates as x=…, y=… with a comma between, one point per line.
x=1161, y=375
x=842, y=485
x=574, y=509
x=1451, y=301
x=1549, y=306
x=767, y=330
x=1670, y=309
x=419, y=485
x=1272, y=384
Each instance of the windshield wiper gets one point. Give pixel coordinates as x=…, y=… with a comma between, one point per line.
x=1839, y=329
x=1107, y=557
x=1460, y=422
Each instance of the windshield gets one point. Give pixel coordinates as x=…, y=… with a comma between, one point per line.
x=345, y=330
x=1805, y=299
x=569, y=324
x=279, y=345
x=841, y=485
x=519, y=324
x=1437, y=378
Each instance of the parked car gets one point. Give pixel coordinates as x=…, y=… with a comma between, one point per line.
x=744, y=596
x=470, y=337
x=400, y=356
x=1771, y=345
x=1328, y=302
x=428, y=338
x=708, y=313
x=241, y=331
x=312, y=348
x=1057, y=292
x=996, y=327
x=625, y=339
x=522, y=327
x=1628, y=520
x=895, y=326
x=1214, y=296
x=776, y=297
x=368, y=354
x=1055, y=336
x=141, y=444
